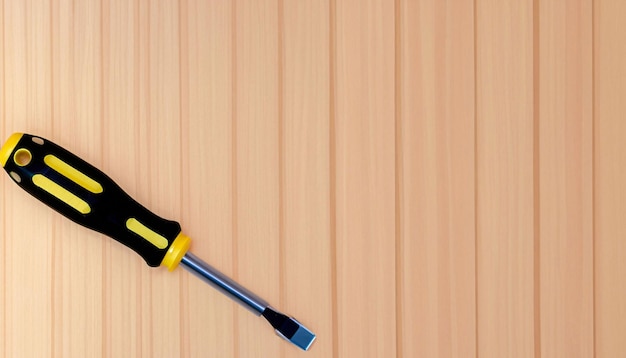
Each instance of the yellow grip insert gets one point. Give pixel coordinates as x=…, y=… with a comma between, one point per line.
x=150, y=235
x=72, y=174
x=61, y=193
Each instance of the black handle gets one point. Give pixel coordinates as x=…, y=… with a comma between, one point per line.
x=89, y=197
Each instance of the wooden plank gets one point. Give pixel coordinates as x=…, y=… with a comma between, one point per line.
x=365, y=159
x=565, y=169
x=159, y=168
x=208, y=160
x=504, y=170
x=77, y=267
x=256, y=121
x=609, y=177
x=305, y=183
x=122, y=156
x=436, y=179
x=143, y=166
x=28, y=237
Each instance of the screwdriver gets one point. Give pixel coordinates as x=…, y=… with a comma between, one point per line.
x=87, y=196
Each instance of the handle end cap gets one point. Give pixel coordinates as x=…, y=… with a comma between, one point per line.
x=8, y=147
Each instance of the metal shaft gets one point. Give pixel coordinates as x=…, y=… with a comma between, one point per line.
x=286, y=327
x=223, y=283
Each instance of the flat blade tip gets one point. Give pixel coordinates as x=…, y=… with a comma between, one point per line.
x=303, y=338
x=290, y=329
x=297, y=334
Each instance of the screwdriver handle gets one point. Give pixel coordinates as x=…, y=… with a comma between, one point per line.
x=89, y=197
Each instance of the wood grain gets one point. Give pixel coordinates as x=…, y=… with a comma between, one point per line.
x=305, y=170
x=207, y=102
x=435, y=164
x=162, y=106
x=122, y=327
x=565, y=179
x=365, y=174
x=257, y=160
x=77, y=98
x=410, y=178
x=609, y=177
x=505, y=247
x=28, y=310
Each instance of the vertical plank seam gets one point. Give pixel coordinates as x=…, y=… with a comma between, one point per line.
x=4, y=101
x=4, y=204
x=102, y=88
x=101, y=95
x=333, y=172
x=399, y=159
x=281, y=160
x=182, y=81
x=137, y=128
x=53, y=281
x=476, y=237
x=593, y=174
x=536, y=181
x=72, y=61
x=4, y=97
x=51, y=39
x=27, y=56
x=105, y=243
x=234, y=190
x=150, y=333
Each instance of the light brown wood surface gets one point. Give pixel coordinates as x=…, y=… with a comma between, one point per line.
x=409, y=178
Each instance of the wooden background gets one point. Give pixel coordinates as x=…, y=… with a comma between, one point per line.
x=408, y=178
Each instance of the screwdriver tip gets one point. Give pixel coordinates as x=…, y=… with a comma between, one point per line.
x=302, y=338
x=290, y=329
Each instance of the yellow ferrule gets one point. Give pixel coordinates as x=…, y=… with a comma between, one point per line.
x=177, y=250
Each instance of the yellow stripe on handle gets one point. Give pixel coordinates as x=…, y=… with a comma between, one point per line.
x=61, y=193
x=72, y=174
x=152, y=237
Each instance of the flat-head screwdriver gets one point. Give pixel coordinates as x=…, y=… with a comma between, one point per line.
x=87, y=196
